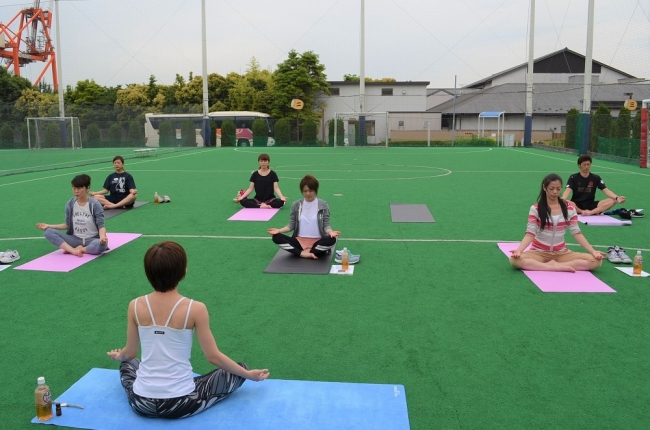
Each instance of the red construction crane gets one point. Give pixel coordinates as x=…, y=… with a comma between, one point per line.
x=32, y=41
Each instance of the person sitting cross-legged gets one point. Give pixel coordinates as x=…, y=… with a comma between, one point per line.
x=265, y=183
x=121, y=187
x=583, y=185
x=548, y=220
x=309, y=220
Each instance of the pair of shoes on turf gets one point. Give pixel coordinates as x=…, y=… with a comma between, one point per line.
x=352, y=259
x=9, y=256
x=616, y=254
x=626, y=214
x=165, y=199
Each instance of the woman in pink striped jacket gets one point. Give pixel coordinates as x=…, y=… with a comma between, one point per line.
x=548, y=220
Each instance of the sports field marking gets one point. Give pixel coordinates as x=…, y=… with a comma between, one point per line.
x=445, y=172
x=352, y=239
x=409, y=150
x=597, y=167
x=99, y=169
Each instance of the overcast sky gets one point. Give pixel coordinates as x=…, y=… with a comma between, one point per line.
x=117, y=42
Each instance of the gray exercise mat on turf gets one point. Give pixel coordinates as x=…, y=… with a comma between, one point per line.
x=110, y=213
x=286, y=262
x=402, y=212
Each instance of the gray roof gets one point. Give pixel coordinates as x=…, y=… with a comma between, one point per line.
x=548, y=99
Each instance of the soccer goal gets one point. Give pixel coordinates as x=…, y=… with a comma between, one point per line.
x=54, y=132
x=377, y=131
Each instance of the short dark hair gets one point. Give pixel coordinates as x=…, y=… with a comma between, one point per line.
x=118, y=157
x=264, y=157
x=311, y=182
x=81, y=181
x=165, y=264
x=583, y=158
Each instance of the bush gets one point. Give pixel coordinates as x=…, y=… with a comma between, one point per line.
x=188, y=133
x=51, y=137
x=623, y=124
x=309, y=132
x=167, y=134
x=601, y=126
x=283, y=131
x=636, y=125
x=571, y=129
x=228, y=133
x=340, y=132
x=260, y=132
x=6, y=136
x=136, y=133
x=114, y=135
x=24, y=135
x=213, y=133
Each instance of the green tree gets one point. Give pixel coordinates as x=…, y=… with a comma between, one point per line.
x=571, y=128
x=133, y=102
x=300, y=75
x=188, y=133
x=601, y=126
x=12, y=86
x=152, y=89
x=340, y=132
x=636, y=125
x=167, y=134
x=93, y=136
x=31, y=103
x=6, y=136
x=623, y=124
x=51, y=135
x=136, y=133
x=228, y=133
x=260, y=132
x=115, y=135
x=283, y=131
x=309, y=132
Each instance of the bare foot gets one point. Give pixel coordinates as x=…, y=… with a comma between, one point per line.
x=79, y=251
x=265, y=206
x=109, y=206
x=559, y=267
x=307, y=254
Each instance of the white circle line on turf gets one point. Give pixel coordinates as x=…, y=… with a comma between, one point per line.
x=328, y=151
x=352, y=239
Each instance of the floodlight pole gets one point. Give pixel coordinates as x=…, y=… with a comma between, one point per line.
x=528, y=119
x=585, y=115
x=453, y=117
x=362, y=78
x=62, y=128
x=206, y=119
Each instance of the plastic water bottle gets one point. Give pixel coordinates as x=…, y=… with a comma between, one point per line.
x=638, y=263
x=345, y=260
x=156, y=198
x=43, y=399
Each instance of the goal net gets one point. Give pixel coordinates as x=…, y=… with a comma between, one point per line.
x=54, y=132
x=360, y=129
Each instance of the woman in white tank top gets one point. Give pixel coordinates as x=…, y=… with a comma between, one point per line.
x=162, y=384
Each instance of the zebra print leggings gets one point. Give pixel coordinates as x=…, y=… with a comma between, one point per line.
x=210, y=388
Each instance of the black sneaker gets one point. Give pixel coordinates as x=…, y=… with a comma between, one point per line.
x=636, y=214
x=625, y=214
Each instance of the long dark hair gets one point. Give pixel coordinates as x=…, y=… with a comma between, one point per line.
x=542, y=203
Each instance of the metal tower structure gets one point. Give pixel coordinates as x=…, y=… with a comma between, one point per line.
x=30, y=43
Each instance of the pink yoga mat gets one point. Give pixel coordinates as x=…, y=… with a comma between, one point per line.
x=248, y=214
x=58, y=261
x=561, y=282
x=603, y=220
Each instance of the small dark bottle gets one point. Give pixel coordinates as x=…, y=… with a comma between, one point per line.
x=58, y=409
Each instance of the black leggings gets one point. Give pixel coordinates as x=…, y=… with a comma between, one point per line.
x=291, y=244
x=252, y=203
x=210, y=388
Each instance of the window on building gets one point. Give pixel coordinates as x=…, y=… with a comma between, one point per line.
x=370, y=128
x=386, y=91
x=401, y=124
x=335, y=91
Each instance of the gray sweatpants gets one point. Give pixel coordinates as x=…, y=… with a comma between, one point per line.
x=92, y=245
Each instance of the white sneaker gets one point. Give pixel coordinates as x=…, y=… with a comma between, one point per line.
x=9, y=256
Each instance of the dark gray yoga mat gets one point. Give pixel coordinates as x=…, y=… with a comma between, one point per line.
x=110, y=213
x=402, y=212
x=286, y=262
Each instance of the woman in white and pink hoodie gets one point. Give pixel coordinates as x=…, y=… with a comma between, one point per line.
x=548, y=220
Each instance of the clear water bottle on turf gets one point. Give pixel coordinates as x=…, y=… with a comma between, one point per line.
x=345, y=260
x=43, y=398
x=638, y=263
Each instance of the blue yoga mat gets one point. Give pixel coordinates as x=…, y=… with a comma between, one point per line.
x=271, y=404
